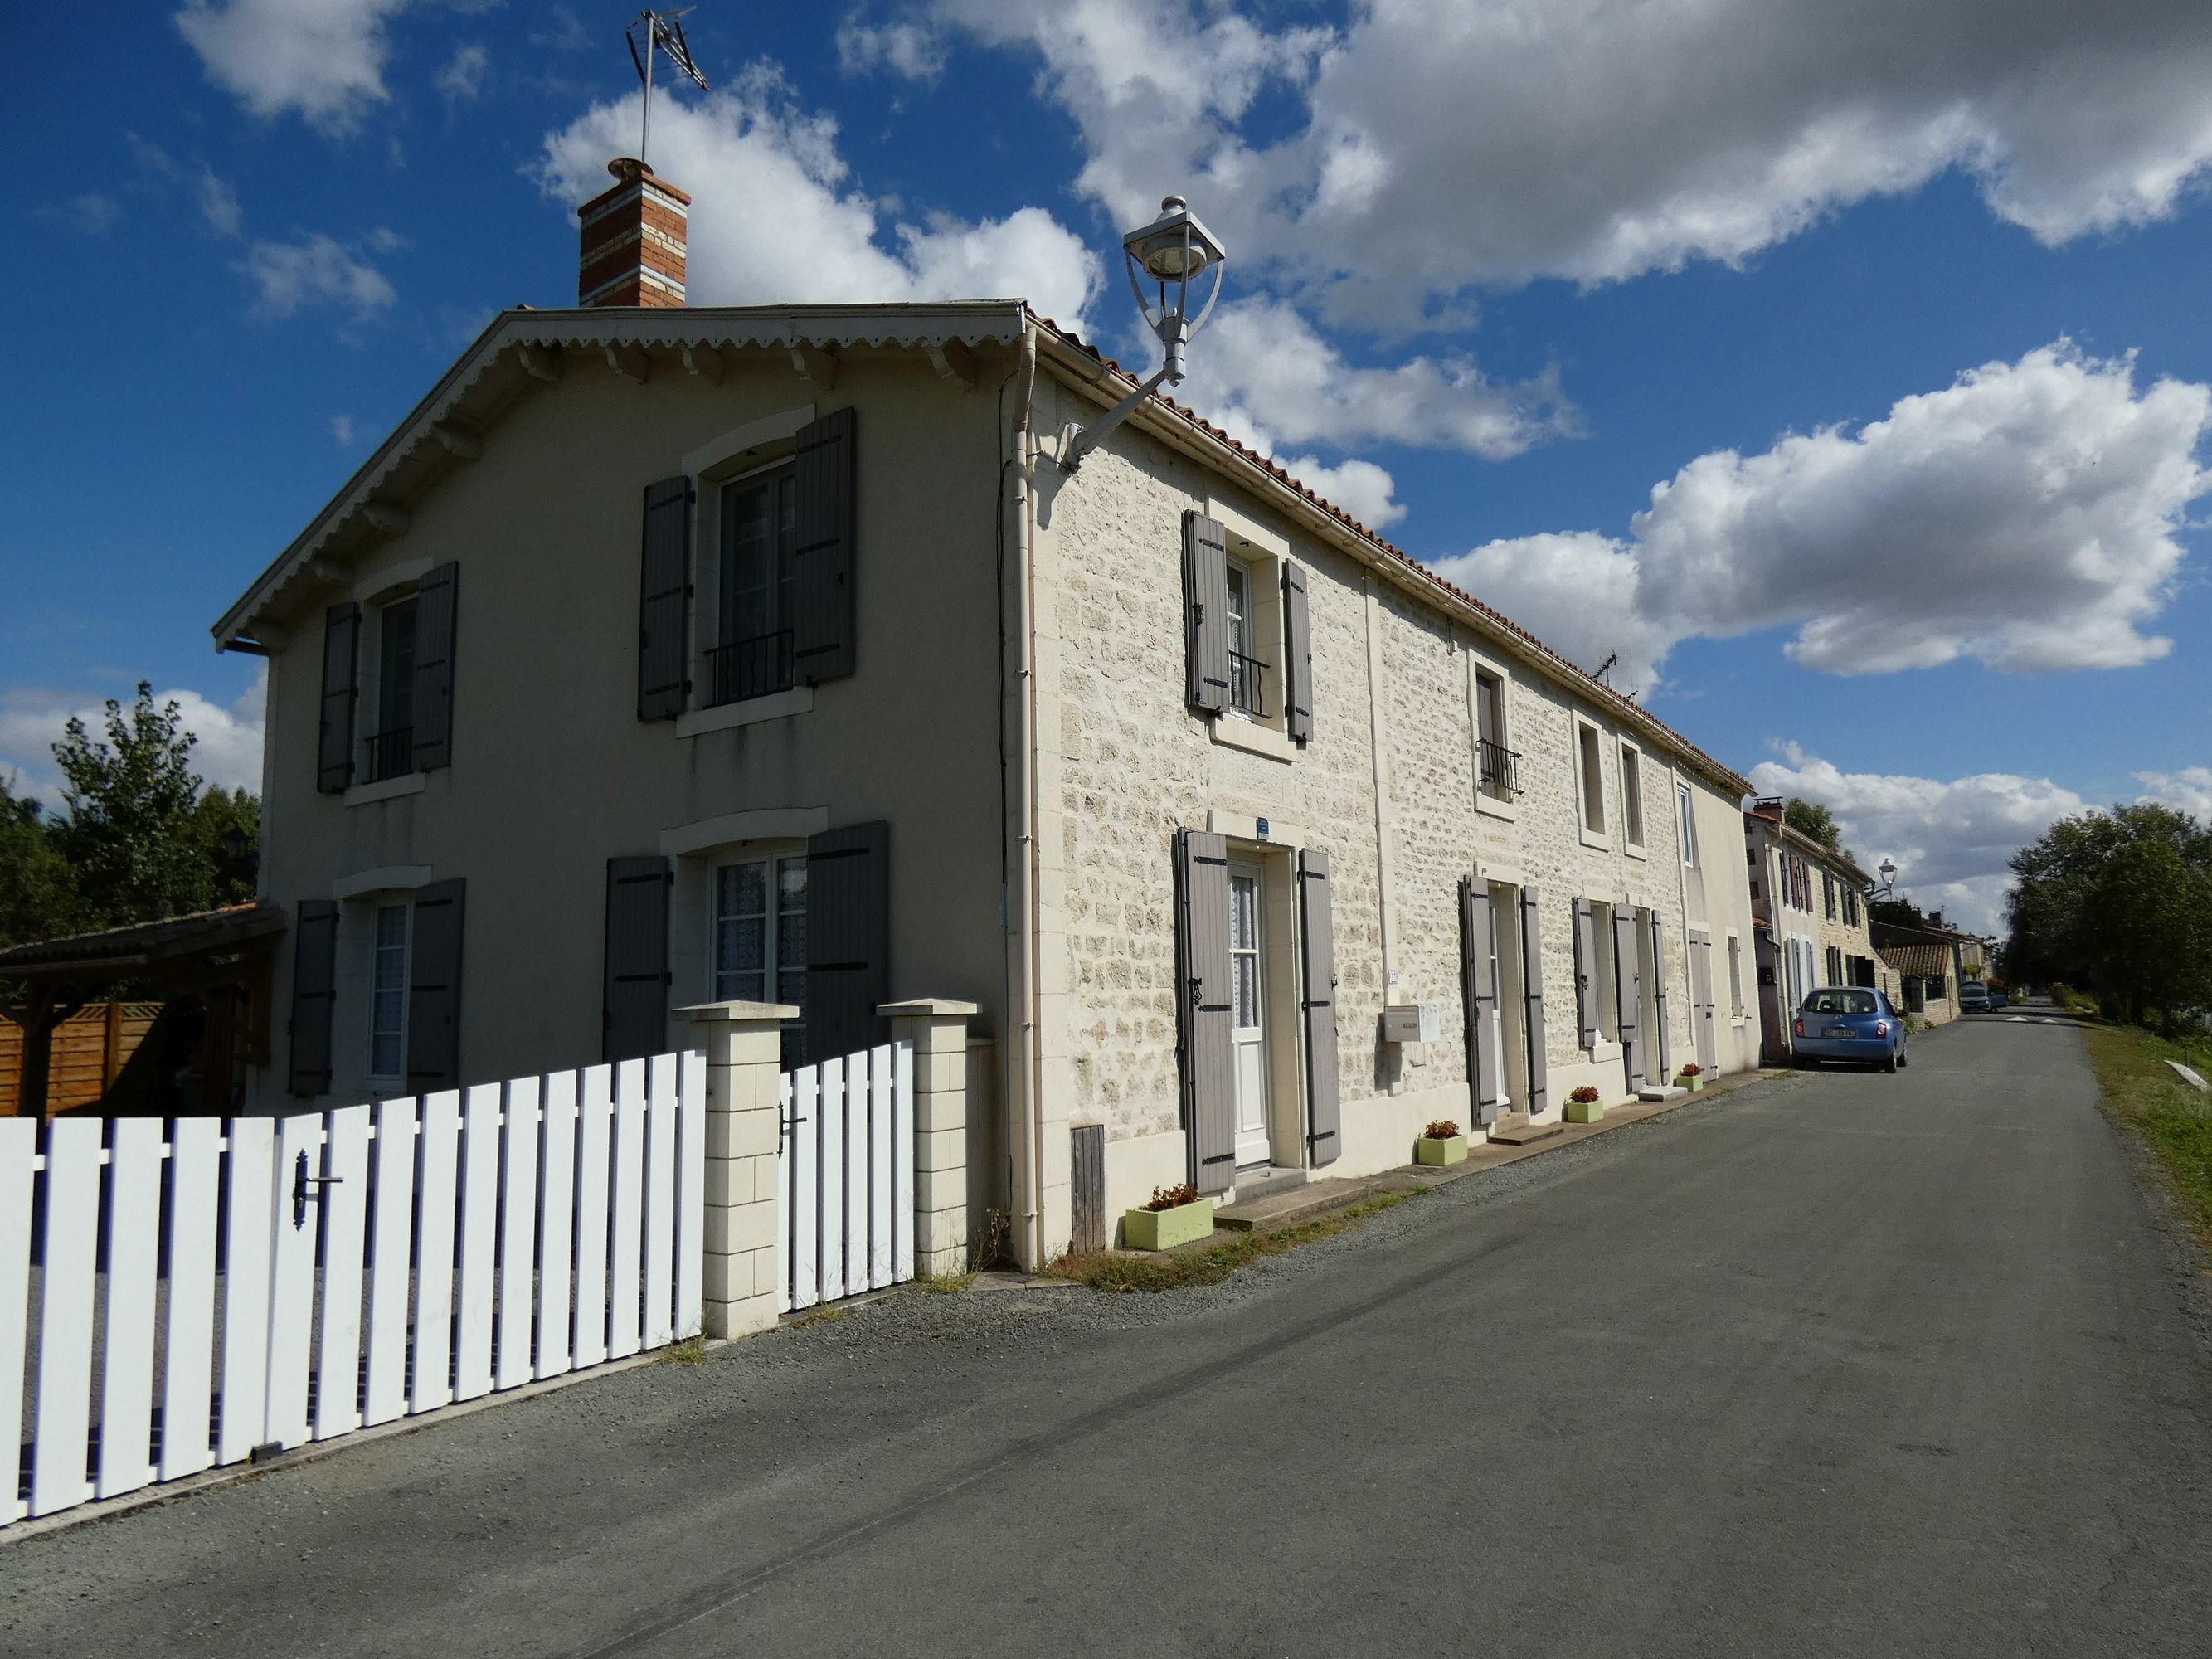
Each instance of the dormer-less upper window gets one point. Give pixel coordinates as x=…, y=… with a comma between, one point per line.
x=752, y=656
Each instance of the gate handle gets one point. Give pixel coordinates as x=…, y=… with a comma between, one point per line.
x=301, y=1182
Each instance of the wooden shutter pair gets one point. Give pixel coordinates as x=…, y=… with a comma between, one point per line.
x=822, y=566
x=1205, y=628
x=436, y=609
x=433, y=990
x=1586, y=988
x=1628, y=993
x=1478, y=957
x=848, y=946
x=1204, y=1016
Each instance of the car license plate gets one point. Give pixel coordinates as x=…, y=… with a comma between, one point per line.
x=1841, y=1031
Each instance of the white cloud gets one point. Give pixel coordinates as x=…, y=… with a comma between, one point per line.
x=92, y=214
x=227, y=753
x=323, y=58
x=2025, y=517
x=315, y=270
x=910, y=49
x=1259, y=361
x=218, y=203
x=1442, y=145
x=2190, y=789
x=461, y=76
x=1361, y=487
x=342, y=430
x=1951, y=841
x=775, y=216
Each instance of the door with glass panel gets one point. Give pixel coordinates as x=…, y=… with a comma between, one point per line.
x=760, y=938
x=1248, y=1001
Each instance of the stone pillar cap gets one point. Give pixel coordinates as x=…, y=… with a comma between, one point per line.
x=776, y=1013
x=927, y=1008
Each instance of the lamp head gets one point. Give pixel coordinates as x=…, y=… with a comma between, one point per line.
x=1174, y=248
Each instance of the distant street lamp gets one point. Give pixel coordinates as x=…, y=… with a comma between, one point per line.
x=1888, y=872
x=1169, y=252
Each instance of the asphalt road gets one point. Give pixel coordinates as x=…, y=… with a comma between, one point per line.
x=1835, y=1364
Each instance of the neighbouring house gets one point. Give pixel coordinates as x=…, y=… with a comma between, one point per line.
x=665, y=655
x=1809, y=905
x=1930, y=963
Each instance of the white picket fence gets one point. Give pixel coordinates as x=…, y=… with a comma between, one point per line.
x=193, y=1292
x=847, y=1176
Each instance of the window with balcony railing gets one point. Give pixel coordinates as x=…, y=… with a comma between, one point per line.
x=1501, y=770
x=1248, y=685
x=749, y=668
x=388, y=755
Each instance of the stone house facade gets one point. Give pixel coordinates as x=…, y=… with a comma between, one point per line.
x=1810, y=903
x=668, y=654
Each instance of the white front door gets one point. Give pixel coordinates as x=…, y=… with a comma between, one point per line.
x=1247, y=1001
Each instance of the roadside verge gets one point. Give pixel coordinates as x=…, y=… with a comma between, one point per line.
x=2139, y=1090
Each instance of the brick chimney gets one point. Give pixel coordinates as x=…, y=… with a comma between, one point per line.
x=631, y=246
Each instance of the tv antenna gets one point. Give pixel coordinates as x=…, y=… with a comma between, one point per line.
x=1604, y=668
x=663, y=31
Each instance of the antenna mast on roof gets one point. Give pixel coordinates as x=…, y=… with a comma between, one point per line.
x=663, y=30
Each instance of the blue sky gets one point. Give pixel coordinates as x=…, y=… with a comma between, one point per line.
x=1904, y=309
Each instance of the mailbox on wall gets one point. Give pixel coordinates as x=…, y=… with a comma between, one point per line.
x=1413, y=1022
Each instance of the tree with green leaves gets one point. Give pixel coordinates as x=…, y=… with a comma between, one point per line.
x=142, y=839
x=37, y=889
x=1811, y=818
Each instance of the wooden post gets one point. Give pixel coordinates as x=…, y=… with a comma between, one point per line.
x=111, y=1046
x=744, y=1043
x=939, y=1031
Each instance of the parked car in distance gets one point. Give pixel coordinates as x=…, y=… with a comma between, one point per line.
x=1848, y=1022
x=1998, y=999
x=1973, y=997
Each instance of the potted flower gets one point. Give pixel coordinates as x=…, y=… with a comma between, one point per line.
x=1441, y=1142
x=1584, y=1105
x=1691, y=1076
x=1174, y=1215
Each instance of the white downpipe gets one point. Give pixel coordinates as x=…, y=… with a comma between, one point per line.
x=1025, y=1098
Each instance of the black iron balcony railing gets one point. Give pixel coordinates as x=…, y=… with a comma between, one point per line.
x=1247, y=684
x=388, y=755
x=1501, y=770
x=757, y=668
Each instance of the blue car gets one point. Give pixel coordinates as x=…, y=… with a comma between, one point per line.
x=1848, y=1022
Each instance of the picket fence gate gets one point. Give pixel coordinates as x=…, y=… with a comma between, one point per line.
x=845, y=1177
x=205, y=1289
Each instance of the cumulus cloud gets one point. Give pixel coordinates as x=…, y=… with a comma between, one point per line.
x=315, y=270
x=322, y=58
x=342, y=430
x=460, y=77
x=1263, y=363
x=777, y=218
x=1951, y=841
x=1361, y=487
x=227, y=753
x=2025, y=517
x=909, y=49
x=1437, y=145
x=2190, y=789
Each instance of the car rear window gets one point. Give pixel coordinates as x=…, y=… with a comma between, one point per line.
x=1840, y=1002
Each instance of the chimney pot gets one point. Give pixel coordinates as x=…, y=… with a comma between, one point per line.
x=631, y=243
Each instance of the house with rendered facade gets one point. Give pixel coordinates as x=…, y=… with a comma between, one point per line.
x=1809, y=905
x=665, y=655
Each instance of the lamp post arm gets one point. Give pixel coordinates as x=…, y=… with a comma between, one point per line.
x=1080, y=441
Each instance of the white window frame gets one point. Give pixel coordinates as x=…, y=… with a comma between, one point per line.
x=1685, y=818
x=1479, y=668
x=379, y=906
x=1590, y=756
x=1635, y=833
x=773, y=855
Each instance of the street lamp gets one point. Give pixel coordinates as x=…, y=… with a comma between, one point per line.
x=1888, y=873
x=1170, y=253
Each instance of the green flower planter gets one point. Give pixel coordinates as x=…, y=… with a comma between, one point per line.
x=1584, y=1111
x=1163, y=1229
x=1429, y=1150
x=1692, y=1084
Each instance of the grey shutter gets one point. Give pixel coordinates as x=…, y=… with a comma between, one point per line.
x=1478, y=997
x=1701, y=998
x=341, y=682
x=1628, y=994
x=315, y=994
x=1532, y=981
x=435, y=602
x=663, y=606
x=1206, y=613
x=822, y=550
x=1659, y=995
x=1297, y=655
x=1208, y=1062
x=1324, y=1088
x=1585, y=974
x=847, y=938
x=433, y=987
x=634, y=1017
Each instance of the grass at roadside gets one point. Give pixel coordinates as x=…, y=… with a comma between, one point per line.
x=2140, y=1090
x=1105, y=1271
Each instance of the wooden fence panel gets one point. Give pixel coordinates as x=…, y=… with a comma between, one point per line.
x=248, y=1214
x=623, y=1247
x=19, y=1147
x=436, y=1172
x=134, y=1241
x=188, y=1387
x=340, y=1209
x=594, y=1136
x=391, y=1245
x=557, y=1222
x=65, y=1324
x=518, y=1234
x=659, y=1327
